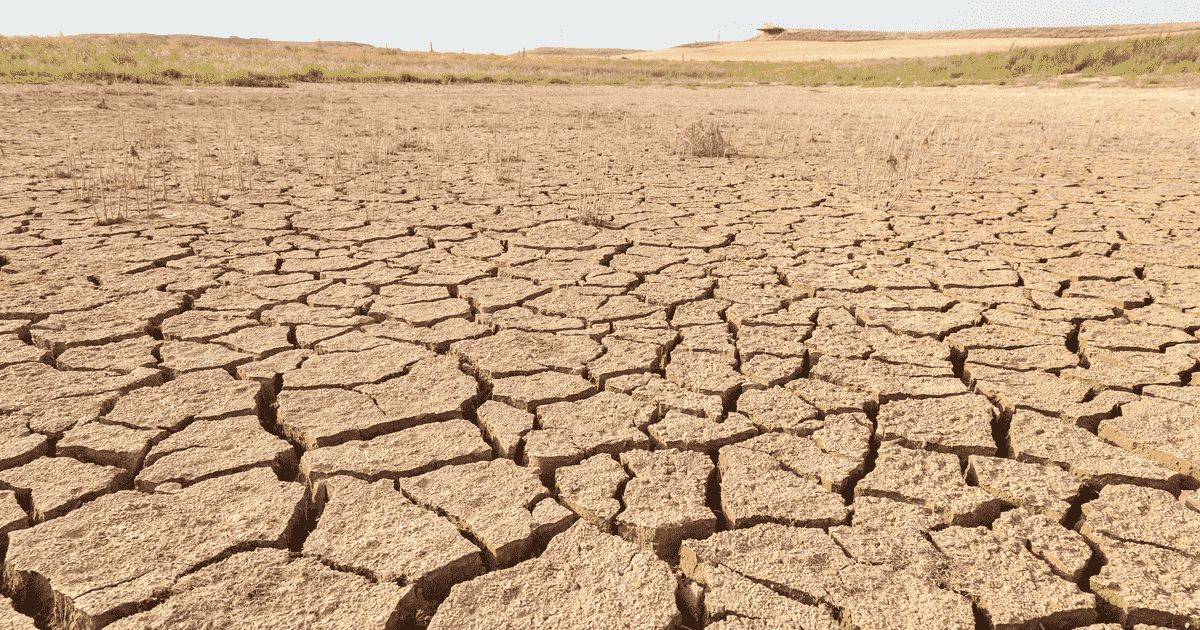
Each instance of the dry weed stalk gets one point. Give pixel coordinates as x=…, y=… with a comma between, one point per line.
x=592, y=199
x=805, y=146
x=963, y=166
x=203, y=185
x=438, y=155
x=887, y=160
x=112, y=185
x=378, y=150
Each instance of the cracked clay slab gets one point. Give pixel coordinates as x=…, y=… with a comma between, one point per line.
x=107, y=558
x=584, y=574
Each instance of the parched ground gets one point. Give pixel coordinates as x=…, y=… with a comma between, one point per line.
x=484, y=357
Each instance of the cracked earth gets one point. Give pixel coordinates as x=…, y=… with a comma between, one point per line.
x=741, y=399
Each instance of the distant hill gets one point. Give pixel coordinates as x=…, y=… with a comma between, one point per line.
x=554, y=51
x=823, y=35
x=204, y=40
x=1056, y=32
x=699, y=44
x=787, y=35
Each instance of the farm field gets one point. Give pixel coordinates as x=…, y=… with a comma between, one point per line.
x=852, y=50
x=479, y=356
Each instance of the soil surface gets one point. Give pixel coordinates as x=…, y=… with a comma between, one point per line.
x=484, y=357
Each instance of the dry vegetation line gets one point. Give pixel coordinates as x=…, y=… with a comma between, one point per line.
x=388, y=357
x=1146, y=55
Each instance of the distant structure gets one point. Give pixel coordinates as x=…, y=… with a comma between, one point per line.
x=770, y=29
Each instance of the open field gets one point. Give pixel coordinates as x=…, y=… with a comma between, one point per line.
x=802, y=51
x=350, y=355
x=1128, y=56
x=804, y=45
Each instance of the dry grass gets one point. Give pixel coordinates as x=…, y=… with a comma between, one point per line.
x=703, y=138
x=591, y=207
x=1151, y=60
x=889, y=158
x=591, y=186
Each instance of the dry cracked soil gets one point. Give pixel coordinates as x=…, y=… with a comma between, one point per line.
x=734, y=396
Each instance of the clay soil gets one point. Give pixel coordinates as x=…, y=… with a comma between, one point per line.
x=489, y=357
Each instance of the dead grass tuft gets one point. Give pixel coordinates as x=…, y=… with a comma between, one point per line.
x=703, y=139
x=593, y=204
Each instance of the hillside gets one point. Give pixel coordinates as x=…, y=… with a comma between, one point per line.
x=1048, y=32
x=204, y=40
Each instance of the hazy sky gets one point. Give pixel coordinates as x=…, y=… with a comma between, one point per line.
x=484, y=26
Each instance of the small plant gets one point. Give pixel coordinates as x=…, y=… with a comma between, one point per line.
x=589, y=212
x=407, y=142
x=592, y=203
x=703, y=139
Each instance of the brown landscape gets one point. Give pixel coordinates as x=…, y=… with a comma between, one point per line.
x=858, y=46
x=756, y=50
x=361, y=356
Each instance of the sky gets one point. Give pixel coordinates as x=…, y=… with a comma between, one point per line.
x=483, y=26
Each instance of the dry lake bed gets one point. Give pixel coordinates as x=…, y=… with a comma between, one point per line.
x=511, y=357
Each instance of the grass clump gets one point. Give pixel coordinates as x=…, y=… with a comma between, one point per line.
x=703, y=139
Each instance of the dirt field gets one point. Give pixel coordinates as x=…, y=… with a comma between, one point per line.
x=510, y=357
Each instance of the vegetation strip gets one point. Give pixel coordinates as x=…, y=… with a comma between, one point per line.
x=249, y=63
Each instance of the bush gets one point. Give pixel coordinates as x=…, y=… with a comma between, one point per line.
x=314, y=75
x=1112, y=56
x=703, y=139
x=253, y=79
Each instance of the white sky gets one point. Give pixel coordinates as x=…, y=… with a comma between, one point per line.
x=500, y=26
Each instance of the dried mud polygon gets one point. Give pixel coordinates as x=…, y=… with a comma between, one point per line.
x=429, y=389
